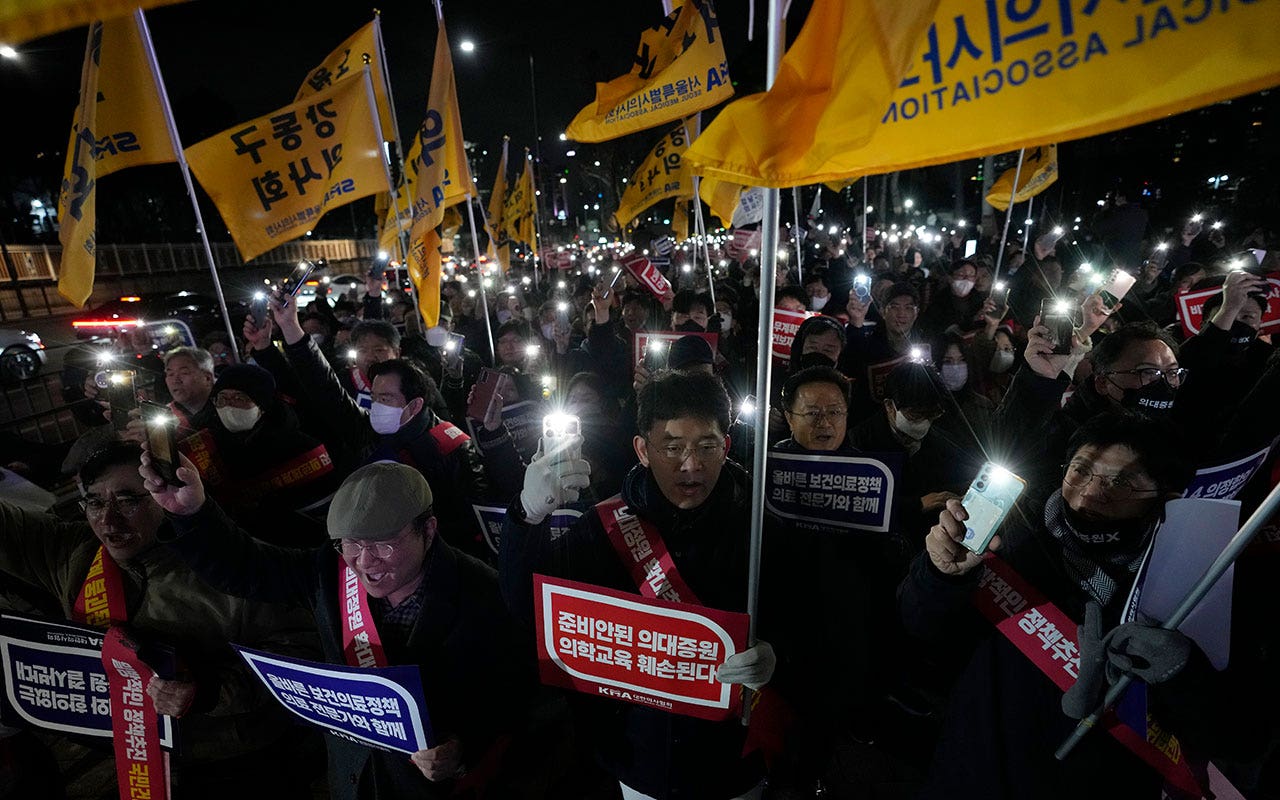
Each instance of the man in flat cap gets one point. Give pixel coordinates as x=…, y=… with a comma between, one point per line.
x=431, y=606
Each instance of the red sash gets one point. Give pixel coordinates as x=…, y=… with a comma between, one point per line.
x=101, y=598
x=448, y=437
x=142, y=768
x=361, y=645
x=1047, y=637
x=640, y=546
x=359, y=382
x=202, y=451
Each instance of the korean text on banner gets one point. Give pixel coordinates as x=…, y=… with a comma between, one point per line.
x=274, y=177
x=645, y=342
x=652, y=653
x=1191, y=308
x=1039, y=171
x=785, y=325
x=437, y=166
x=659, y=177
x=54, y=679
x=119, y=123
x=992, y=77
x=346, y=61
x=519, y=212
x=649, y=276
x=679, y=69
x=1225, y=481
x=492, y=518
x=853, y=493
x=378, y=707
x=826, y=99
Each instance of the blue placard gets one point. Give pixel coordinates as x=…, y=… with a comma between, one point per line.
x=492, y=517
x=523, y=422
x=54, y=679
x=1224, y=482
x=847, y=492
x=382, y=708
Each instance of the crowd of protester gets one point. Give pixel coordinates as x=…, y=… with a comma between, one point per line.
x=350, y=426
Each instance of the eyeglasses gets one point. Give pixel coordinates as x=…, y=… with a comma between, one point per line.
x=1174, y=377
x=899, y=308
x=351, y=548
x=679, y=453
x=126, y=505
x=1080, y=476
x=819, y=416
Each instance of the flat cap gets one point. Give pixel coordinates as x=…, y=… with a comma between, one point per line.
x=377, y=501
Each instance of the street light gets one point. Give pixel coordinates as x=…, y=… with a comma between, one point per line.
x=467, y=46
x=908, y=204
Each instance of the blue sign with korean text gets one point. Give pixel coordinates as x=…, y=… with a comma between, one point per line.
x=1225, y=481
x=848, y=492
x=492, y=517
x=381, y=707
x=54, y=679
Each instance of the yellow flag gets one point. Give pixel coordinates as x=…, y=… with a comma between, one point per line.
x=846, y=59
x=680, y=221
x=497, y=201
x=660, y=176
x=346, y=61
x=24, y=20
x=272, y=178
x=119, y=123
x=986, y=82
x=1039, y=170
x=518, y=213
x=425, y=267
x=679, y=68
x=721, y=197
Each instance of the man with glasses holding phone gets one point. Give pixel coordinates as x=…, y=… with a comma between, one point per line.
x=394, y=592
x=235, y=740
x=695, y=504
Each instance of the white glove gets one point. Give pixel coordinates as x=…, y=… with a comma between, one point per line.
x=554, y=477
x=752, y=668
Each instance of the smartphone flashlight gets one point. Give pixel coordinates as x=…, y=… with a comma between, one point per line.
x=1217, y=225
x=531, y=351
x=562, y=307
x=998, y=286
x=1058, y=230
x=917, y=354
x=558, y=424
x=1197, y=217
x=351, y=354
x=1061, y=306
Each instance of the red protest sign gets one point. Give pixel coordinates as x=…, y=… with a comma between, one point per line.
x=557, y=259
x=660, y=343
x=651, y=653
x=785, y=325
x=650, y=277
x=1191, y=308
x=742, y=242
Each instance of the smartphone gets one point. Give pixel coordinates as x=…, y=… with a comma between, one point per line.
x=920, y=354
x=293, y=284
x=258, y=310
x=970, y=248
x=862, y=288
x=454, y=345
x=989, y=500
x=1113, y=289
x=491, y=384
x=1000, y=294
x=656, y=355
x=557, y=427
x=612, y=283
x=1055, y=314
x=162, y=441
x=122, y=396
x=747, y=411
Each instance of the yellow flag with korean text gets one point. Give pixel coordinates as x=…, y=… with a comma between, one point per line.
x=24, y=20
x=660, y=176
x=119, y=123
x=272, y=178
x=844, y=63
x=493, y=217
x=346, y=61
x=438, y=175
x=520, y=209
x=990, y=78
x=679, y=69
x=1039, y=171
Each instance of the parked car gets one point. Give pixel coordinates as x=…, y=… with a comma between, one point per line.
x=200, y=313
x=22, y=354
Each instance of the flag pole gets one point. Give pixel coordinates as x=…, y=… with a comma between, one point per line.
x=395, y=124
x=537, y=150
x=537, y=213
x=1270, y=506
x=1026, y=233
x=699, y=228
x=1008, y=215
x=795, y=207
x=764, y=360
x=484, y=299
x=386, y=168
x=862, y=254
x=154, y=66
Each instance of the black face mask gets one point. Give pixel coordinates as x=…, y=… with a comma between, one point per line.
x=1242, y=336
x=1105, y=538
x=689, y=326
x=1153, y=400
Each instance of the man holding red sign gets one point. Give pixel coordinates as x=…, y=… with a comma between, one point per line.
x=678, y=532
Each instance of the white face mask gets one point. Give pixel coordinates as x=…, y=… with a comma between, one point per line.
x=954, y=376
x=549, y=331
x=1001, y=360
x=817, y=303
x=239, y=420
x=914, y=430
x=318, y=338
x=384, y=418
x=726, y=322
x=437, y=336
x=504, y=316
x=962, y=287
